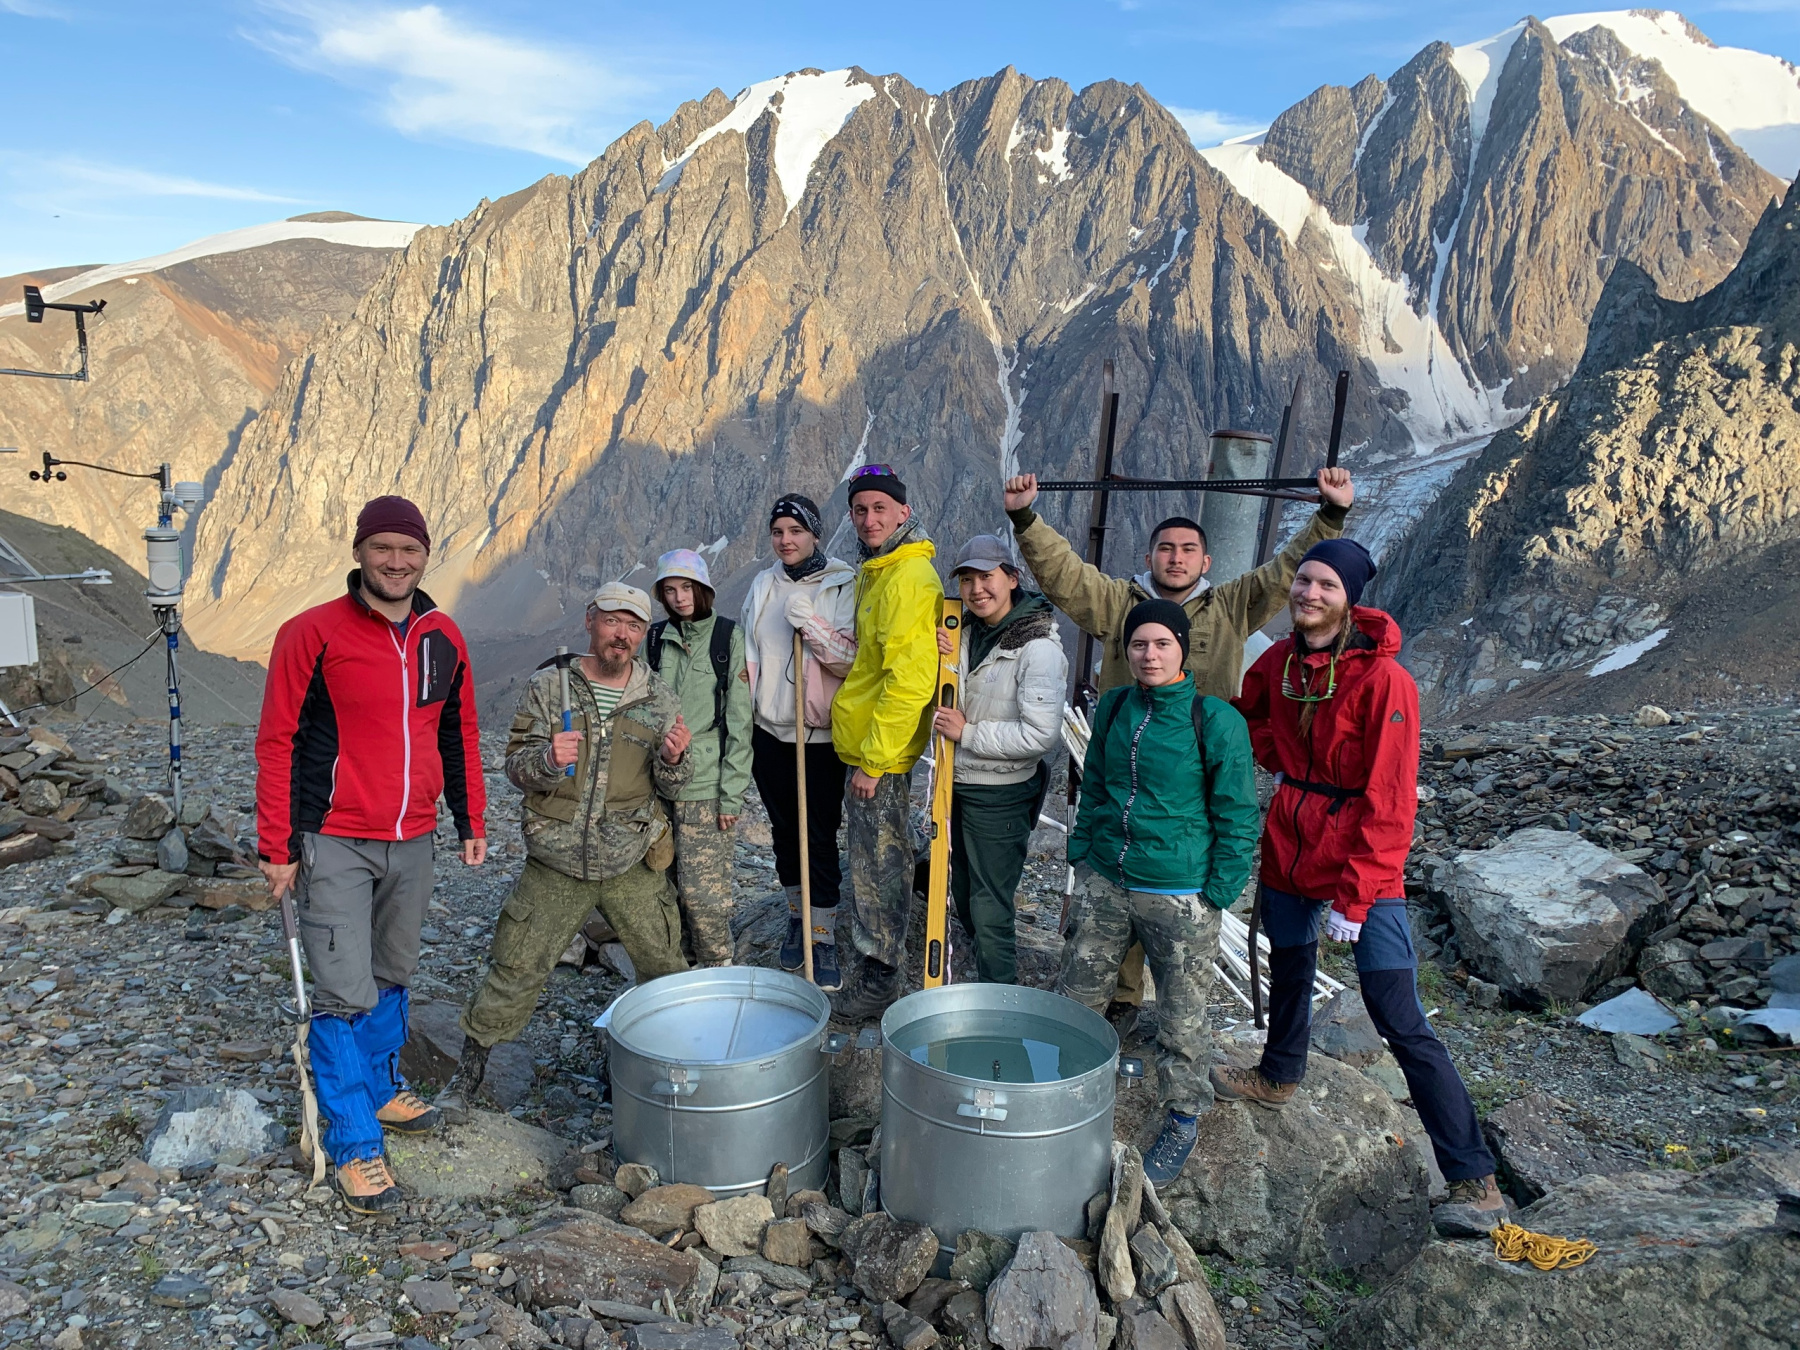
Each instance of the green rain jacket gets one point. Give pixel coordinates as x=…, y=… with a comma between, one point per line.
x=1156, y=813
x=686, y=667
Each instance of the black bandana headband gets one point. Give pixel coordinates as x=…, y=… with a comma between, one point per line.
x=802, y=509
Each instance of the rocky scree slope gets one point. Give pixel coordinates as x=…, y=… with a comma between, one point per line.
x=1656, y=495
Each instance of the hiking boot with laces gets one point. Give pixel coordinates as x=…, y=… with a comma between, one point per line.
x=1124, y=1020
x=1474, y=1208
x=458, y=1097
x=826, y=974
x=876, y=988
x=1169, y=1154
x=1249, y=1085
x=367, y=1186
x=792, y=957
x=409, y=1113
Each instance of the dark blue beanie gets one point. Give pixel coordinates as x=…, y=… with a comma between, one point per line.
x=1349, y=559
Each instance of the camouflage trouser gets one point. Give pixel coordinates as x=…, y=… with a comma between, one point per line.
x=703, y=854
x=881, y=868
x=543, y=912
x=1180, y=936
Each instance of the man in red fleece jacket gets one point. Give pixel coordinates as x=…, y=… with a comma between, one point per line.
x=1335, y=717
x=368, y=717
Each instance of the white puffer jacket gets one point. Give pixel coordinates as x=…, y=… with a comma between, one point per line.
x=1013, y=702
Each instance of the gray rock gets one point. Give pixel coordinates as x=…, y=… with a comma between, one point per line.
x=636, y=1178
x=1106, y=1331
x=1156, y=1269
x=301, y=1309
x=1320, y=1184
x=213, y=837
x=1539, y=1147
x=14, y=1300
x=777, y=1188
x=148, y=817
x=428, y=1296
x=782, y=1277
x=103, y=1214
x=1670, y=970
x=664, y=1209
x=1143, y=1327
x=788, y=1242
x=599, y=1198
x=979, y=1258
x=135, y=852
x=931, y=1297
x=675, y=1336
x=172, y=852
x=733, y=1227
x=1548, y=916
x=1687, y=1262
x=965, y=1317
x=577, y=1254
x=181, y=1290
x=1342, y=1029
x=138, y=893
x=828, y=1221
x=907, y=1330
x=492, y=1155
x=1044, y=1300
x=194, y=806
x=888, y=1258
x=853, y=1179
x=1190, y=1304
x=200, y=1124
x=39, y=797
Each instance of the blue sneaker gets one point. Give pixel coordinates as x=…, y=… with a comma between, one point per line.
x=1169, y=1154
x=792, y=957
x=826, y=974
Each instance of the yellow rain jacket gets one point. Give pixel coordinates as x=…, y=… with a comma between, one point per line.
x=879, y=721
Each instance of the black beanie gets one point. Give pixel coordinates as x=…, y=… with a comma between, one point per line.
x=1166, y=612
x=1349, y=559
x=876, y=478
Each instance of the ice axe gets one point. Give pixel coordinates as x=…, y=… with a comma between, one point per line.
x=562, y=665
x=301, y=1013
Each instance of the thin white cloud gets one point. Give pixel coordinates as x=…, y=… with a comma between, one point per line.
x=116, y=180
x=1207, y=128
x=441, y=74
x=31, y=9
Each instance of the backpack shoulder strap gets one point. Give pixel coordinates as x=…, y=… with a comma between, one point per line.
x=1200, y=728
x=653, y=645
x=720, y=651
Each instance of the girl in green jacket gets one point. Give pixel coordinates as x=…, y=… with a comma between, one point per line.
x=1164, y=841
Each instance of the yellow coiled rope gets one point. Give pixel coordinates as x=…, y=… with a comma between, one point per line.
x=1513, y=1243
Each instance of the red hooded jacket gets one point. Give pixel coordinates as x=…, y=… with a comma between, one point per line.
x=362, y=730
x=1349, y=848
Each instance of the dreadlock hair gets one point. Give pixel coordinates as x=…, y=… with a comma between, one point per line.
x=1339, y=645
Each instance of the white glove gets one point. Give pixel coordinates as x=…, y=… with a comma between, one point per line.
x=1340, y=929
x=799, y=609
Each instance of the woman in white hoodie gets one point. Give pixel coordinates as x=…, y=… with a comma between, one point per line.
x=801, y=591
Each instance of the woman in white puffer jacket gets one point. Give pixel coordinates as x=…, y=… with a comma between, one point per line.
x=806, y=592
x=1014, y=676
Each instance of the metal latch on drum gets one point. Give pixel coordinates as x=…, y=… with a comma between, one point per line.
x=983, y=1107
x=681, y=1082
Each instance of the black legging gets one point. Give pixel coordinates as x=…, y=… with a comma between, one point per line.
x=772, y=766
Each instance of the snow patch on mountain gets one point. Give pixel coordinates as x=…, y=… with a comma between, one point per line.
x=356, y=233
x=1406, y=348
x=1480, y=64
x=813, y=109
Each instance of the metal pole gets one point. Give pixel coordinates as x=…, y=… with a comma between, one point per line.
x=800, y=791
x=171, y=626
x=568, y=716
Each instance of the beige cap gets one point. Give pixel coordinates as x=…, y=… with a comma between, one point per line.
x=617, y=595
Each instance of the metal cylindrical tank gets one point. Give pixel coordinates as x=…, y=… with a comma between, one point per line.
x=719, y=1074
x=1232, y=522
x=996, y=1110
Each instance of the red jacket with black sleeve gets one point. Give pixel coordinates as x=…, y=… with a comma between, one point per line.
x=1341, y=823
x=363, y=728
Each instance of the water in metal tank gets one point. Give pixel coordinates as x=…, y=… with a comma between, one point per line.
x=1001, y=1047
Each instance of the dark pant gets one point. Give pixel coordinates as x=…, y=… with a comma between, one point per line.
x=777, y=779
x=990, y=832
x=1386, y=966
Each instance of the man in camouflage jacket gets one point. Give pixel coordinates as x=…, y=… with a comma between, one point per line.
x=594, y=839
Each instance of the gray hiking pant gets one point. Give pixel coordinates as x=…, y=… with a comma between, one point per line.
x=361, y=904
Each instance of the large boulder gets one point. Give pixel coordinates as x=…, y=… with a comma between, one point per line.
x=199, y=1124
x=1686, y=1262
x=1045, y=1298
x=1333, y=1181
x=489, y=1156
x=1539, y=1147
x=1550, y=917
x=577, y=1257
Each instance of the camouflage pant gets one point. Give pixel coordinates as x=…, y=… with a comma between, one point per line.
x=703, y=854
x=1180, y=936
x=881, y=868
x=545, y=910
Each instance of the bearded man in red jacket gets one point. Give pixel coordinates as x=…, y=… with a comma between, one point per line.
x=1335, y=717
x=368, y=717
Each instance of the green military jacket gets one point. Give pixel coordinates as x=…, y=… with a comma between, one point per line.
x=600, y=822
x=687, y=669
x=1222, y=616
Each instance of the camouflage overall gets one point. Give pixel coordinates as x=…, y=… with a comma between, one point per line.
x=881, y=868
x=703, y=855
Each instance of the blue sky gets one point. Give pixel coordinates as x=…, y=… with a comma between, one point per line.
x=134, y=127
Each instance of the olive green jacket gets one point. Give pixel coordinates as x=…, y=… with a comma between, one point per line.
x=597, y=824
x=687, y=669
x=1222, y=616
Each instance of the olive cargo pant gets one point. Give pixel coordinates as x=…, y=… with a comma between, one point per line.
x=990, y=836
x=544, y=911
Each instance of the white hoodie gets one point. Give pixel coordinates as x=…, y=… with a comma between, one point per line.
x=830, y=646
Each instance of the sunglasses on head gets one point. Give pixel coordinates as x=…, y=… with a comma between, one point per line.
x=874, y=471
x=1304, y=696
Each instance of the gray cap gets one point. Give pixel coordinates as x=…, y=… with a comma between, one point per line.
x=984, y=553
x=617, y=595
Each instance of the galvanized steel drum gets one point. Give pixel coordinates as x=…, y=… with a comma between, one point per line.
x=719, y=1074
x=996, y=1110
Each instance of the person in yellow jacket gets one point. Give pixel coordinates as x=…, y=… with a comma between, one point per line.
x=879, y=726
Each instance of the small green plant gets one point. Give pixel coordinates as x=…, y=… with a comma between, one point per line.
x=148, y=1266
x=1214, y=1276
x=1242, y=1286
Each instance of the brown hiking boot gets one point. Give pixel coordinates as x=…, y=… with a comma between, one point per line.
x=1474, y=1208
x=1249, y=1085
x=367, y=1186
x=409, y=1113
